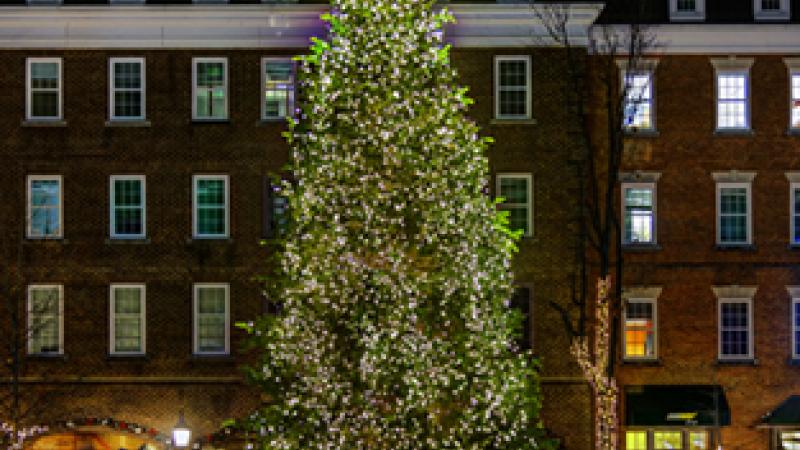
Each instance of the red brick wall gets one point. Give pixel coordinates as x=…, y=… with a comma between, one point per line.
x=688, y=263
x=168, y=152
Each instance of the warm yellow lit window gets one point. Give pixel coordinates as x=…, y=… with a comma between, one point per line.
x=667, y=440
x=698, y=440
x=636, y=440
x=639, y=329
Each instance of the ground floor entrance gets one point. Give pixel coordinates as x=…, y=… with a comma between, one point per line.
x=94, y=439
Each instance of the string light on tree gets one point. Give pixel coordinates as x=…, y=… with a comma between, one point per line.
x=394, y=279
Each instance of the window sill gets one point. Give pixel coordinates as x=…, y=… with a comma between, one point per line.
x=502, y=121
x=275, y=121
x=642, y=362
x=128, y=123
x=735, y=247
x=737, y=362
x=62, y=240
x=44, y=123
x=213, y=357
x=131, y=241
x=196, y=239
x=48, y=357
x=210, y=121
x=642, y=133
x=734, y=132
x=128, y=357
x=641, y=247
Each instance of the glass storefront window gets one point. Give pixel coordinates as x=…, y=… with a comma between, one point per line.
x=673, y=439
x=789, y=440
x=667, y=440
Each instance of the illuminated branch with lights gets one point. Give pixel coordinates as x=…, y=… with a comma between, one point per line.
x=594, y=366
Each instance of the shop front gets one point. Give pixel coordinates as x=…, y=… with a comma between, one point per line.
x=674, y=417
x=784, y=424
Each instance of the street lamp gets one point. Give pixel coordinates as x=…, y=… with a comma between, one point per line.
x=181, y=434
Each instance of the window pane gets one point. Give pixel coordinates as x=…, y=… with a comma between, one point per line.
x=210, y=74
x=686, y=5
x=635, y=440
x=44, y=208
x=790, y=440
x=44, y=75
x=667, y=440
x=211, y=207
x=795, y=100
x=771, y=5
x=513, y=86
x=128, y=104
x=211, y=300
x=513, y=103
x=514, y=190
x=44, y=320
x=44, y=192
x=128, y=205
x=127, y=75
x=735, y=329
x=44, y=104
x=638, y=215
x=698, y=440
x=639, y=330
x=127, y=300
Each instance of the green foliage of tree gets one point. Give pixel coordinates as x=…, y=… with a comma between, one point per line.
x=395, y=331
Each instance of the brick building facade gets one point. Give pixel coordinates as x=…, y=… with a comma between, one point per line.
x=707, y=194
x=69, y=240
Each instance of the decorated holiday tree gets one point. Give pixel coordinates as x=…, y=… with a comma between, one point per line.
x=394, y=330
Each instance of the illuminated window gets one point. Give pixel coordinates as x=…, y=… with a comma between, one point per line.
x=795, y=102
x=43, y=89
x=640, y=329
x=45, y=319
x=512, y=87
x=789, y=440
x=45, y=218
x=210, y=88
x=517, y=192
x=211, y=319
x=667, y=440
x=278, y=82
x=127, y=325
x=635, y=440
x=698, y=440
x=638, y=113
x=638, y=201
x=126, y=85
x=732, y=101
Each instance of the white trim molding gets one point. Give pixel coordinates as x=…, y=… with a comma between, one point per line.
x=258, y=26
x=638, y=176
x=735, y=291
x=733, y=176
x=641, y=292
x=716, y=39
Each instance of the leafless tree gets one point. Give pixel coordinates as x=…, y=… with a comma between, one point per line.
x=599, y=96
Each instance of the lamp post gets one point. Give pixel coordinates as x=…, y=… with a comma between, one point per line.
x=181, y=434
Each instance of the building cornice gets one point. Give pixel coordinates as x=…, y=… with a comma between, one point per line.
x=253, y=26
x=720, y=39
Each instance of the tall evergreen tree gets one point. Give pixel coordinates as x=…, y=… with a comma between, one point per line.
x=395, y=331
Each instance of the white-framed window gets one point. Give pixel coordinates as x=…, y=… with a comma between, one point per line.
x=794, y=213
x=640, y=329
x=127, y=312
x=43, y=93
x=517, y=191
x=732, y=86
x=126, y=82
x=210, y=213
x=734, y=214
x=512, y=75
x=45, y=319
x=128, y=207
x=794, y=101
x=278, y=83
x=687, y=10
x=639, y=209
x=209, y=88
x=771, y=9
x=732, y=101
x=795, y=320
x=735, y=328
x=45, y=200
x=639, y=107
x=211, y=318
